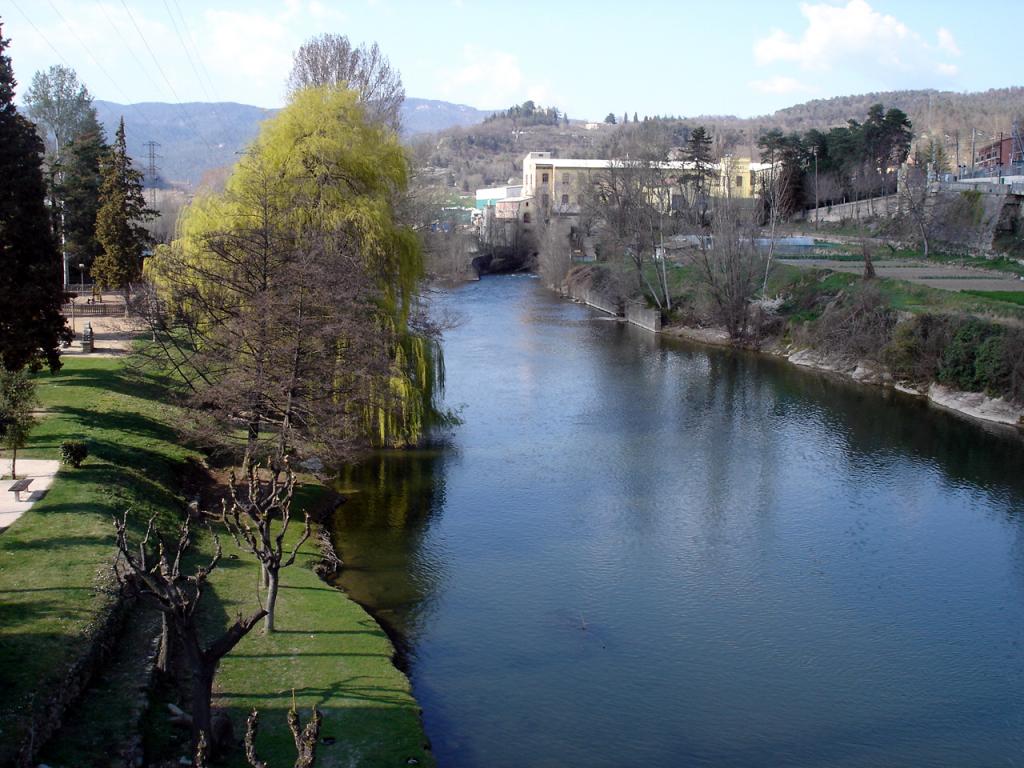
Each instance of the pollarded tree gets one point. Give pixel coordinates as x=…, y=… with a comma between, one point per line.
x=331, y=60
x=31, y=294
x=119, y=221
x=154, y=571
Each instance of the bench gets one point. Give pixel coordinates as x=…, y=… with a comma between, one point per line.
x=20, y=486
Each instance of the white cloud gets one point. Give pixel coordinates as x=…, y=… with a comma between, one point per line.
x=780, y=84
x=947, y=43
x=490, y=79
x=856, y=35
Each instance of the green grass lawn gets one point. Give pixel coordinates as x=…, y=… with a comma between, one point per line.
x=55, y=583
x=55, y=560
x=1011, y=297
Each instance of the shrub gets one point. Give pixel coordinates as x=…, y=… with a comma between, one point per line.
x=957, y=366
x=1013, y=350
x=991, y=368
x=915, y=351
x=73, y=452
x=858, y=324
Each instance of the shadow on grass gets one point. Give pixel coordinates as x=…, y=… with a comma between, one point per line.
x=118, y=421
x=349, y=688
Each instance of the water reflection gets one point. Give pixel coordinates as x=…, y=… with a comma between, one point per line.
x=641, y=552
x=391, y=500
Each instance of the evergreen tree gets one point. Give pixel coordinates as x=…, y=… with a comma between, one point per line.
x=635, y=120
x=119, y=220
x=698, y=151
x=80, y=193
x=610, y=118
x=31, y=325
x=625, y=118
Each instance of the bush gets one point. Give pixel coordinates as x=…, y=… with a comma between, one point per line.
x=1013, y=348
x=859, y=324
x=917, y=345
x=73, y=452
x=958, y=365
x=991, y=368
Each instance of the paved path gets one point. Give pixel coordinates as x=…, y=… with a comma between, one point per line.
x=111, y=335
x=948, y=277
x=41, y=471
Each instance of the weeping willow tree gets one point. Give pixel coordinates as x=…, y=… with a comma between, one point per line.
x=288, y=304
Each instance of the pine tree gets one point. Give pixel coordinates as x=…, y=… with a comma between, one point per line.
x=80, y=193
x=119, y=227
x=635, y=120
x=31, y=325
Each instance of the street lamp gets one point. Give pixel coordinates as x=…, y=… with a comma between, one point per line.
x=814, y=151
x=81, y=278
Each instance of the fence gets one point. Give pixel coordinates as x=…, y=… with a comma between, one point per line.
x=96, y=309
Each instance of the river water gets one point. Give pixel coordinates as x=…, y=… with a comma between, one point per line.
x=637, y=552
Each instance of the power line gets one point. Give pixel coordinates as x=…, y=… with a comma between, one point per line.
x=195, y=70
x=199, y=54
x=128, y=46
x=40, y=33
x=99, y=65
x=166, y=79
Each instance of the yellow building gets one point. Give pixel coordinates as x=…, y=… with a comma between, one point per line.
x=559, y=183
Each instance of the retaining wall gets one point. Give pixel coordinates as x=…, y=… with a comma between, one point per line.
x=647, y=318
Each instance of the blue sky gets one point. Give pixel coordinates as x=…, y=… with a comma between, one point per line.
x=588, y=58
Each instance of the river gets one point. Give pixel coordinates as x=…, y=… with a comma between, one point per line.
x=638, y=552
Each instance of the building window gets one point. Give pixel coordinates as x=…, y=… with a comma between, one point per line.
x=543, y=178
x=546, y=200
x=526, y=218
x=565, y=199
x=739, y=180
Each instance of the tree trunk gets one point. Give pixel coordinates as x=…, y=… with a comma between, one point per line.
x=163, y=658
x=202, y=693
x=271, y=600
x=14, y=462
x=203, y=670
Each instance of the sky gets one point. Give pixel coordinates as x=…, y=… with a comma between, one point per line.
x=587, y=58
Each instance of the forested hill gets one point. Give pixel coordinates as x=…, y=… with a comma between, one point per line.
x=197, y=137
x=944, y=112
x=491, y=153
x=194, y=137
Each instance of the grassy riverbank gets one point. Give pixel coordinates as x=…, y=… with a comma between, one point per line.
x=56, y=590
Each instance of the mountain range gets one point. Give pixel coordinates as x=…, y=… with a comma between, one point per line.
x=196, y=137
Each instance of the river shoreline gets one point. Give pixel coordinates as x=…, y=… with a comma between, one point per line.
x=974, y=406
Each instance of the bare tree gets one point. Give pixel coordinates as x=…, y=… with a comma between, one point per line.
x=630, y=202
x=157, y=576
x=913, y=195
x=268, y=326
x=729, y=266
x=775, y=191
x=331, y=60
x=251, y=519
x=305, y=738
x=555, y=251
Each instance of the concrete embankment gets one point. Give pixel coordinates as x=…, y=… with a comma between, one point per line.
x=582, y=286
